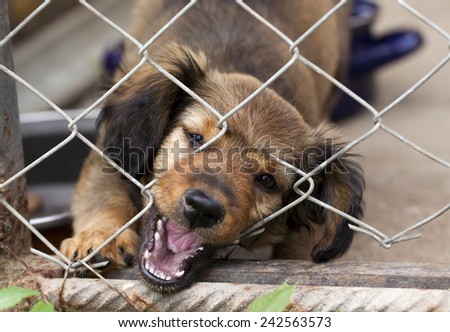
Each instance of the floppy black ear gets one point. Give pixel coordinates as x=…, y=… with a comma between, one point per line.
x=341, y=185
x=137, y=116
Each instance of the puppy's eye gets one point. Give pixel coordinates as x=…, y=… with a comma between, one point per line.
x=267, y=182
x=196, y=140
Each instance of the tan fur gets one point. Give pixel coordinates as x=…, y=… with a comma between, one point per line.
x=285, y=117
x=98, y=215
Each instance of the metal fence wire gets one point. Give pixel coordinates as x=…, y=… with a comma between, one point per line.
x=73, y=133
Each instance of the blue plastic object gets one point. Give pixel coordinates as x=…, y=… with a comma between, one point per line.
x=369, y=53
x=112, y=58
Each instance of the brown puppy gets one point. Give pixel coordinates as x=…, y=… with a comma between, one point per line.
x=205, y=200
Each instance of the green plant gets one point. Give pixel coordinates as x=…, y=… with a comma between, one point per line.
x=13, y=295
x=275, y=301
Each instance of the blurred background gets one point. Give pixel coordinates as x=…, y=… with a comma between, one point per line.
x=403, y=186
x=66, y=50
x=61, y=50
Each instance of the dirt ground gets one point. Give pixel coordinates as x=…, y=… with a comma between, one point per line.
x=403, y=186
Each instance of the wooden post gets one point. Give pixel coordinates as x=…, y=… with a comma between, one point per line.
x=13, y=233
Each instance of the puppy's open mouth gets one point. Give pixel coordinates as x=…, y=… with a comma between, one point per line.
x=170, y=254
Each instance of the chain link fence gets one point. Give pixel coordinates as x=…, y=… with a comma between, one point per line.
x=377, y=125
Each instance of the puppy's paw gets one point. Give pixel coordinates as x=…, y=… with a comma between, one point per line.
x=118, y=253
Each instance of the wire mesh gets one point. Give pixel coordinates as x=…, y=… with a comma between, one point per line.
x=384, y=240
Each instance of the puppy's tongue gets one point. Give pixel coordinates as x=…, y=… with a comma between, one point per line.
x=169, y=249
x=180, y=239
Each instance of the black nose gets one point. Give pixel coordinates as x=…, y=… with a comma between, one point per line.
x=201, y=209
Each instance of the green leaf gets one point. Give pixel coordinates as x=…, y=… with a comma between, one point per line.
x=13, y=295
x=42, y=306
x=275, y=301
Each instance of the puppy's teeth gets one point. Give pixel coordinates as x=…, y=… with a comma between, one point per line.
x=147, y=266
x=152, y=270
x=159, y=225
x=147, y=254
x=168, y=278
x=179, y=274
x=199, y=250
